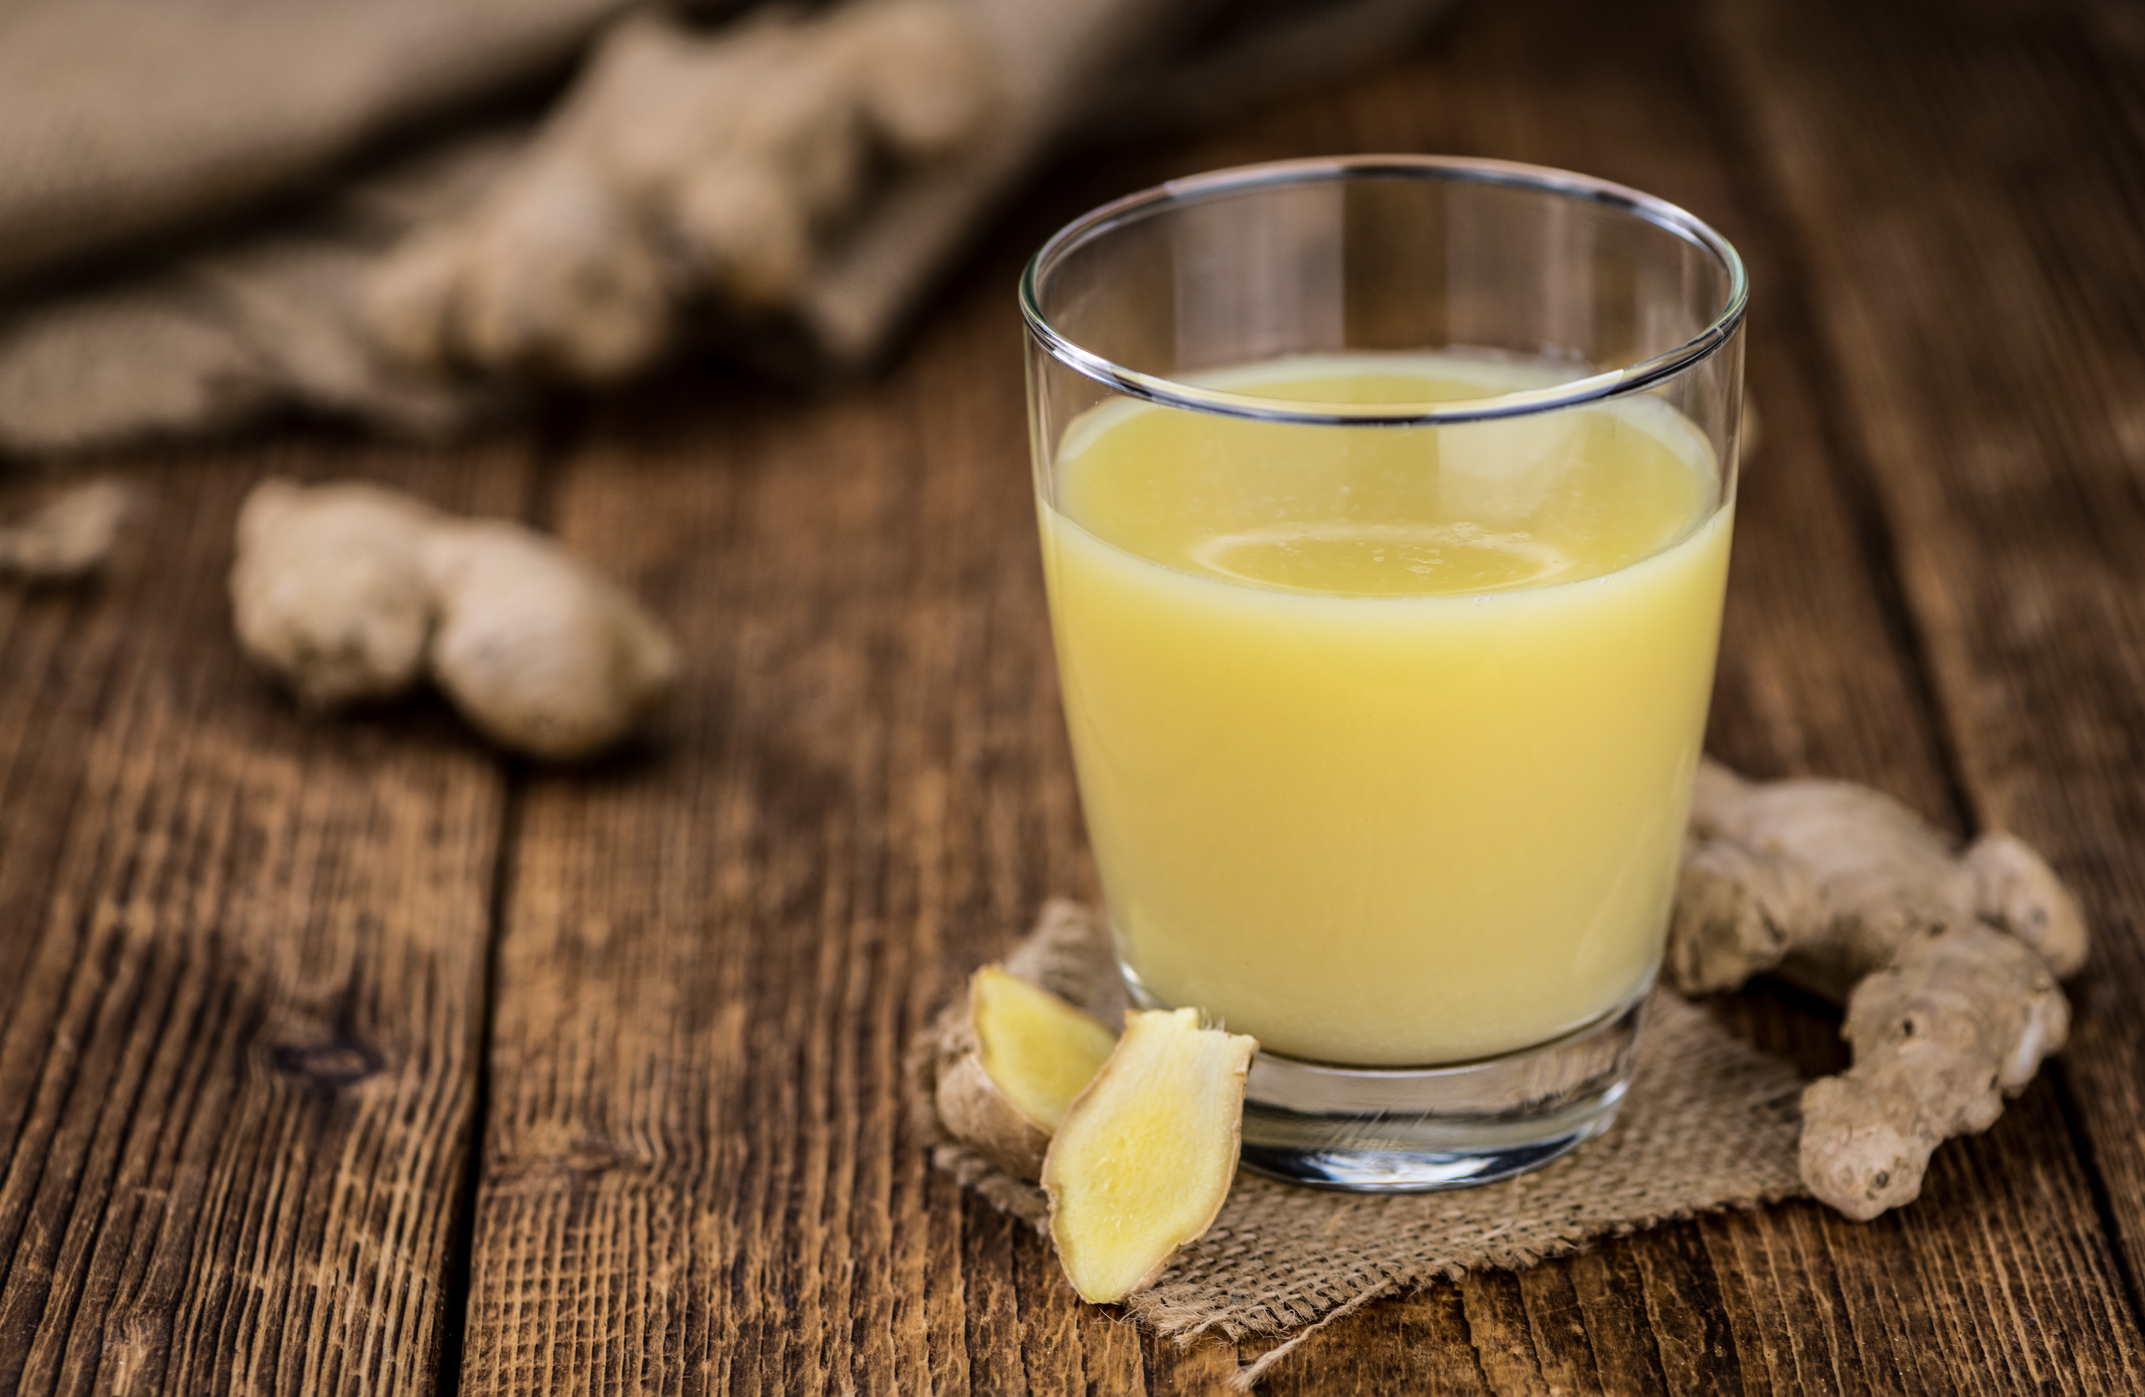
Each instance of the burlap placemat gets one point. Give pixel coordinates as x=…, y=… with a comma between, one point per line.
x=1711, y=1123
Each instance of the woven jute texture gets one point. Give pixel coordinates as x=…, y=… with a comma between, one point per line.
x=1711, y=1123
x=195, y=194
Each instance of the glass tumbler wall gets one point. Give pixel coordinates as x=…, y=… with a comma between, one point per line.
x=1385, y=510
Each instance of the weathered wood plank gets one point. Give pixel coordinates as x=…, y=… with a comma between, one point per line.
x=1819, y=674
x=712, y=958
x=244, y=965
x=235, y=1063
x=1417, y=1344
x=1965, y=184
x=695, y=1175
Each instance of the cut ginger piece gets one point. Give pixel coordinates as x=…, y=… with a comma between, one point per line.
x=1143, y=1159
x=1011, y=1066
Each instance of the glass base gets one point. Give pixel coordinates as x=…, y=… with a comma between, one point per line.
x=1410, y=1130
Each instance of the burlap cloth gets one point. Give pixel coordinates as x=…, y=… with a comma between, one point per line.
x=1711, y=1123
x=193, y=193
x=123, y=121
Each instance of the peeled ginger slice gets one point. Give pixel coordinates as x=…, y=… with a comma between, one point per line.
x=1041, y=1051
x=1016, y=1061
x=1144, y=1157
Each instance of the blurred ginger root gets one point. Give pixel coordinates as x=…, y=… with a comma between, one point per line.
x=69, y=538
x=350, y=592
x=1946, y=960
x=682, y=168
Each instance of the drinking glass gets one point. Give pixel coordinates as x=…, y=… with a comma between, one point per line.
x=1385, y=508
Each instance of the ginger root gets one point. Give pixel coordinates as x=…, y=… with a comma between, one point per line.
x=1145, y=1155
x=351, y=592
x=67, y=539
x=1947, y=963
x=1020, y=1056
x=682, y=168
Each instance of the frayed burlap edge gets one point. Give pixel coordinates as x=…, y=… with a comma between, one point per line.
x=1711, y=1124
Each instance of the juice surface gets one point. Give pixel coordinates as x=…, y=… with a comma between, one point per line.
x=1385, y=736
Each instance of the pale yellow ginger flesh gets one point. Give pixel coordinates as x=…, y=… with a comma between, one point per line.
x=1946, y=959
x=1144, y=1157
x=1017, y=1060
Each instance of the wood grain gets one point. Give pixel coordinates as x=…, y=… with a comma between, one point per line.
x=1980, y=285
x=1820, y=672
x=712, y=958
x=244, y=956
x=243, y=953
x=866, y=792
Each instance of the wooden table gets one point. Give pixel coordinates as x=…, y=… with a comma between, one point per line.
x=338, y=1055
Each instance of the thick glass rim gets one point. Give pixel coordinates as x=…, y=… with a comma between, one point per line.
x=1170, y=392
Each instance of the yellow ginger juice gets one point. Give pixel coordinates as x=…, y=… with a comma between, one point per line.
x=1386, y=735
